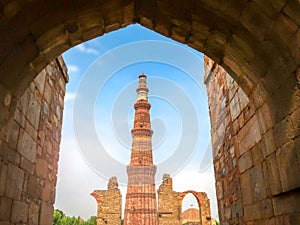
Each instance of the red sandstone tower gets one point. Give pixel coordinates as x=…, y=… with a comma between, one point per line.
x=140, y=207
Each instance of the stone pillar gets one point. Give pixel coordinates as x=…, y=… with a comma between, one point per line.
x=109, y=204
x=29, y=149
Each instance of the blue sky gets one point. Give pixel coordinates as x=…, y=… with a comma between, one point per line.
x=98, y=116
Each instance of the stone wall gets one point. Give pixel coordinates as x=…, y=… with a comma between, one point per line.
x=29, y=152
x=170, y=204
x=254, y=153
x=109, y=204
x=169, y=210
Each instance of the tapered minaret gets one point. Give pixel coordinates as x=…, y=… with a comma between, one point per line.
x=140, y=207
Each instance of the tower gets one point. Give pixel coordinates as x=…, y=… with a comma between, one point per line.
x=140, y=207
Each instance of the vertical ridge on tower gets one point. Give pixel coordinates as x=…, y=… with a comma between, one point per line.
x=140, y=206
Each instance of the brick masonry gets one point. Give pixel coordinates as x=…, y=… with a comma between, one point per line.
x=170, y=204
x=30, y=149
x=251, y=161
x=109, y=204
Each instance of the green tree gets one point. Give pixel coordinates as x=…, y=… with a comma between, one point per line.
x=59, y=218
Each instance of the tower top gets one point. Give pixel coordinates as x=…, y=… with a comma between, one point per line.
x=142, y=90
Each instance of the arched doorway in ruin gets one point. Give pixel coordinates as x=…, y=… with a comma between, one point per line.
x=203, y=204
x=256, y=42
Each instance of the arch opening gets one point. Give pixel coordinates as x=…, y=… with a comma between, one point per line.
x=262, y=57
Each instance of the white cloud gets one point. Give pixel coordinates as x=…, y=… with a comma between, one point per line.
x=72, y=69
x=70, y=96
x=83, y=48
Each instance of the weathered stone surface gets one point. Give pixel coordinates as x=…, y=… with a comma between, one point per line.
x=289, y=166
x=271, y=172
x=27, y=146
x=41, y=168
x=257, y=181
x=248, y=136
x=5, y=209
x=26, y=161
x=170, y=204
x=3, y=176
x=19, y=212
x=286, y=204
x=109, y=204
x=14, y=182
x=46, y=213
x=33, y=214
x=245, y=161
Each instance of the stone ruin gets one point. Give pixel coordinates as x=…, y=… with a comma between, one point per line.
x=169, y=204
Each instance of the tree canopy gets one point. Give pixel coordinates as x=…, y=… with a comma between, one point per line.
x=59, y=218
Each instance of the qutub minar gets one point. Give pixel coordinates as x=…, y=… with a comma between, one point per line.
x=141, y=206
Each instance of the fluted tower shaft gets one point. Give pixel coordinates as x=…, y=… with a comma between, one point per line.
x=140, y=207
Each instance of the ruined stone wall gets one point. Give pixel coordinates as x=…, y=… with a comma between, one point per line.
x=109, y=204
x=254, y=153
x=169, y=210
x=29, y=149
x=170, y=204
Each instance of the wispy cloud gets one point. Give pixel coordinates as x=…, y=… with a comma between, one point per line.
x=70, y=96
x=73, y=69
x=83, y=48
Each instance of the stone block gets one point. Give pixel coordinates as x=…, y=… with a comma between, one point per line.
x=40, y=81
x=47, y=191
x=245, y=161
x=31, y=130
x=48, y=93
x=24, y=101
x=9, y=154
x=284, y=131
x=258, y=186
x=237, y=210
x=19, y=212
x=27, y=165
x=3, y=174
x=271, y=175
x=46, y=214
x=5, y=209
x=288, y=203
x=295, y=117
x=33, y=214
x=248, y=136
x=252, y=212
x=33, y=112
x=266, y=208
x=14, y=182
x=20, y=118
x=257, y=156
x=246, y=188
x=243, y=99
x=27, y=146
x=255, y=20
x=13, y=136
x=291, y=8
x=265, y=118
x=34, y=188
x=41, y=168
x=269, y=144
x=289, y=166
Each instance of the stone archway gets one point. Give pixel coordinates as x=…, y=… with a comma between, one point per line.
x=257, y=42
x=203, y=203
